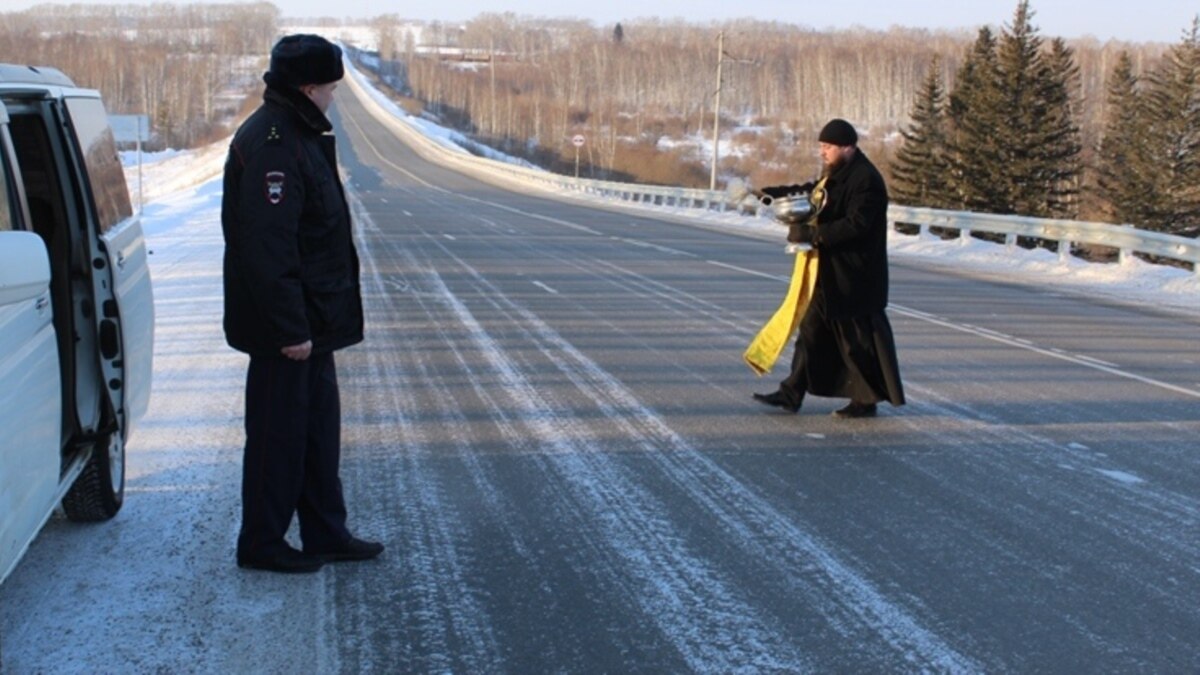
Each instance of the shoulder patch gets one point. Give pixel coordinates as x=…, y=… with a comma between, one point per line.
x=274, y=186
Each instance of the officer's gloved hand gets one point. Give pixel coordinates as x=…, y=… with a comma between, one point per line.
x=801, y=234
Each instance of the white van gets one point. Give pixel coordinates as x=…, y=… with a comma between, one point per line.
x=76, y=311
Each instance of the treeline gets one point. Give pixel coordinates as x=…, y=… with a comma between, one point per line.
x=188, y=67
x=1008, y=138
x=549, y=80
x=626, y=87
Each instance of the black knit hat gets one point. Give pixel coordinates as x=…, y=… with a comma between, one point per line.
x=838, y=132
x=297, y=60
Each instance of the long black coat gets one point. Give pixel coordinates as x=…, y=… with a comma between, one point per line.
x=845, y=346
x=291, y=270
x=851, y=241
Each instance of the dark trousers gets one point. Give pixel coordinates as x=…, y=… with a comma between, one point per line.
x=812, y=332
x=293, y=447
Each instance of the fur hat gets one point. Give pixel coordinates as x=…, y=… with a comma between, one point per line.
x=838, y=132
x=297, y=60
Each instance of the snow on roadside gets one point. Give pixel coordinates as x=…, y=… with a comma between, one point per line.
x=170, y=171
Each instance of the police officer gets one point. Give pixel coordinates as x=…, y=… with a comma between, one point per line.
x=291, y=299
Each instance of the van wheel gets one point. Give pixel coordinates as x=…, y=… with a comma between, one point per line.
x=99, y=491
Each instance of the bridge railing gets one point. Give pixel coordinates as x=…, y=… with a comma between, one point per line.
x=1124, y=238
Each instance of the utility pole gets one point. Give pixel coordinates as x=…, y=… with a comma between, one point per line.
x=492, y=68
x=712, y=181
x=721, y=57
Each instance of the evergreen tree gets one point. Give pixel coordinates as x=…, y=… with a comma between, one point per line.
x=618, y=35
x=974, y=112
x=1056, y=141
x=1123, y=171
x=1172, y=115
x=1019, y=65
x=920, y=169
x=1015, y=145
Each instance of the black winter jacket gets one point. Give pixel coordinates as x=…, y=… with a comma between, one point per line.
x=291, y=270
x=851, y=241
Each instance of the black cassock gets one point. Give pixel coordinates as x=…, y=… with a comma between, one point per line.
x=852, y=358
x=845, y=347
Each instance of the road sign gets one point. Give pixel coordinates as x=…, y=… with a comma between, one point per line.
x=130, y=128
x=577, y=140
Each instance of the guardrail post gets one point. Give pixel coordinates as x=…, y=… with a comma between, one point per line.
x=1064, y=251
x=1010, y=241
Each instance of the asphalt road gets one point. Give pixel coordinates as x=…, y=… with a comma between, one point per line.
x=551, y=429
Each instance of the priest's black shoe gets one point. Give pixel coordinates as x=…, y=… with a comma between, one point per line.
x=777, y=399
x=856, y=409
x=287, y=561
x=354, y=549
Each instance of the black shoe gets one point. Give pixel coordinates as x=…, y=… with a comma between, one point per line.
x=856, y=409
x=287, y=561
x=777, y=399
x=354, y=549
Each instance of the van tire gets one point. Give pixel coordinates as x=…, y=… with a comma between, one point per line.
x=99, y=491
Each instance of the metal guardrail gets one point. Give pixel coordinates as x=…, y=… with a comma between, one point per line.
x=1125, y=238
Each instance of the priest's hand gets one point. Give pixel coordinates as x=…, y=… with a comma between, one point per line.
x=801, y=234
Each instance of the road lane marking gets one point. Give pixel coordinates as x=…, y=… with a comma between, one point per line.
x=1092, y=359
x=657, y=247
x=449, y=236
x=1121, y=476
x=773, y=277
x=1029, y=346
x=385, y=160
x=544, y=287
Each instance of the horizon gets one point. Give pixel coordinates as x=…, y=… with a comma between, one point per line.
x=1155, y=21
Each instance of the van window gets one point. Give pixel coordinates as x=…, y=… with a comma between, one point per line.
x=100, y=157
x=48, y=208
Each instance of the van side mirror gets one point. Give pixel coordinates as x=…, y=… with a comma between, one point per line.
x=24, y=267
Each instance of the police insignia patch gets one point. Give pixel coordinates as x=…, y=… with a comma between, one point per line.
x=275, y=186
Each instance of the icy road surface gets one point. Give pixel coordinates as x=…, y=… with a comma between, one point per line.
x=551, y=429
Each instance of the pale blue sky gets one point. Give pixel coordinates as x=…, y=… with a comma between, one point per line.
x=1136, y=20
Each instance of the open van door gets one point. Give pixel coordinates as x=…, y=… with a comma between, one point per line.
x=124, y=306
x=126, y=329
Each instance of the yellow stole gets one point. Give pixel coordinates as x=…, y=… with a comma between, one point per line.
x=765, y=348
